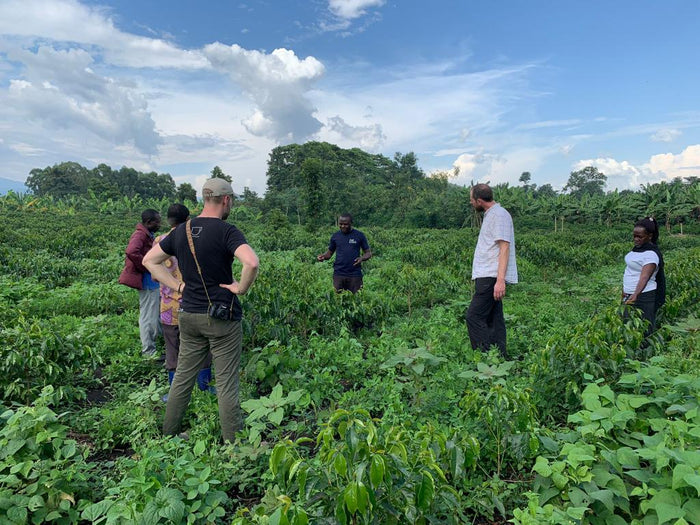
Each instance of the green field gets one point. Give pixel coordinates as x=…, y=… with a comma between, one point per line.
x=360, y=409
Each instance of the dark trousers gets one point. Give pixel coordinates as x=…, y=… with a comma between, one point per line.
x=646, y=302
x=171, y=335
x=200, y=335
x=485, y=318
x=344, y=282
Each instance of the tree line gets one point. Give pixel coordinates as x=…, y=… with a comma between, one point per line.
x=69, y=179
x=311, y=184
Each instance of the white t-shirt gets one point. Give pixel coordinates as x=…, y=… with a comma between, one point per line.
x=635, y=261
x=497, y=226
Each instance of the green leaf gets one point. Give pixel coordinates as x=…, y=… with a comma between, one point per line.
x=694, y=481
x=559, y=480
x=340, y=464
x=425, y=492
x=627, y=457
x=277, y=393
x=340, y=515
x=277, y=416
x=578, y=497
x=376, y=470
x=300, y=518
x=638, y=401
x=456, y=462
x=679, y=473
x=692, y=511
x=199, y=447
x=96, y=510
x=576, y=513
x=542, y=467
x=278, y=517
x=276, y=458
x=605, y=497
x=362, y=497
x=350, y=497
x=35, y=502
x=174, y=511
x=667, y=512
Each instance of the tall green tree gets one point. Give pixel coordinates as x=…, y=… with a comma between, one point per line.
x=59, y=180
x=218, y=173
x=311, y=171
x=185, y=192
x=587, y=181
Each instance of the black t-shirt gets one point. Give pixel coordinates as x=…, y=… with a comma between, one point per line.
x=215, y=242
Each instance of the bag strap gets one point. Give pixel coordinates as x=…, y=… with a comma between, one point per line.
x=188, y=229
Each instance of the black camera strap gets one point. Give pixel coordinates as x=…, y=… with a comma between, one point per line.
x=188, y=230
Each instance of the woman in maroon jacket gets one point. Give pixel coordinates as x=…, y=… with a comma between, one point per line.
x=135, y=275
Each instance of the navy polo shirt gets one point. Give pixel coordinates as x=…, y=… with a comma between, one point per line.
x=347, y=249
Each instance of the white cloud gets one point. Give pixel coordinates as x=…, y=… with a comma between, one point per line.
x=621, y=174
x=665, y=166
x=551, y=124
x=71, y=21
x=566, y=149
x=685, y=164
x=367, y=137
x=467, y=165
x=61, y=89
x=25, y=149
x=277, y=83
x=416, y=106
x=351, y=9
x=666, y=135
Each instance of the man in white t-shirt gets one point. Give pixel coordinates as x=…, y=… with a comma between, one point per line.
x=493, y=267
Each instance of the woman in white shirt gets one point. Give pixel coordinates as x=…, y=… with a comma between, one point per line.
x=644, y=283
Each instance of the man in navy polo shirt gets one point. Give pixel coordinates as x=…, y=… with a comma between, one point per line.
x=346, y=243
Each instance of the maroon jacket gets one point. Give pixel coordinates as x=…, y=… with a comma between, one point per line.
x=139, y=244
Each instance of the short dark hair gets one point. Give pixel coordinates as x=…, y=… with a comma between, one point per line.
x=346, y=216
x=483, y=192
x=650, y=226
x=177, y=214
x=149, y=215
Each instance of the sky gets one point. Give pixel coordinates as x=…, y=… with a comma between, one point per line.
x=484, y=90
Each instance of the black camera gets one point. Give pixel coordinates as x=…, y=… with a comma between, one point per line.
x=220, y=311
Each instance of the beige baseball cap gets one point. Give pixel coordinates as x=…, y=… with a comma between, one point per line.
x=216, y=187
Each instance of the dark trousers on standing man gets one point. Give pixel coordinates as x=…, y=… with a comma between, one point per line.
x=485, y=320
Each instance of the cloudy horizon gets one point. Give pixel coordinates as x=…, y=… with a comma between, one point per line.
x=177, y=89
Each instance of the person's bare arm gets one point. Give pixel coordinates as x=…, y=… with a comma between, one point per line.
x=245, y=254
x=366, y=255
x=324, y=256
x=644, y=276
x=499, y=290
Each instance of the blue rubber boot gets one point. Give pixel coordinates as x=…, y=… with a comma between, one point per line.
x=170, y=382
x=203, y=380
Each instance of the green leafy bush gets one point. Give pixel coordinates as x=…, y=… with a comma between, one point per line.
x=43, y=474
x=633, y=458
x=362, y=473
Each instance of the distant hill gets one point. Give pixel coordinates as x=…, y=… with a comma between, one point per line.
x=14, y=185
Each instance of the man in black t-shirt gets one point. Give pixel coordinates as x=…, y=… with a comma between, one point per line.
x=206, y=290
x=346, y=244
